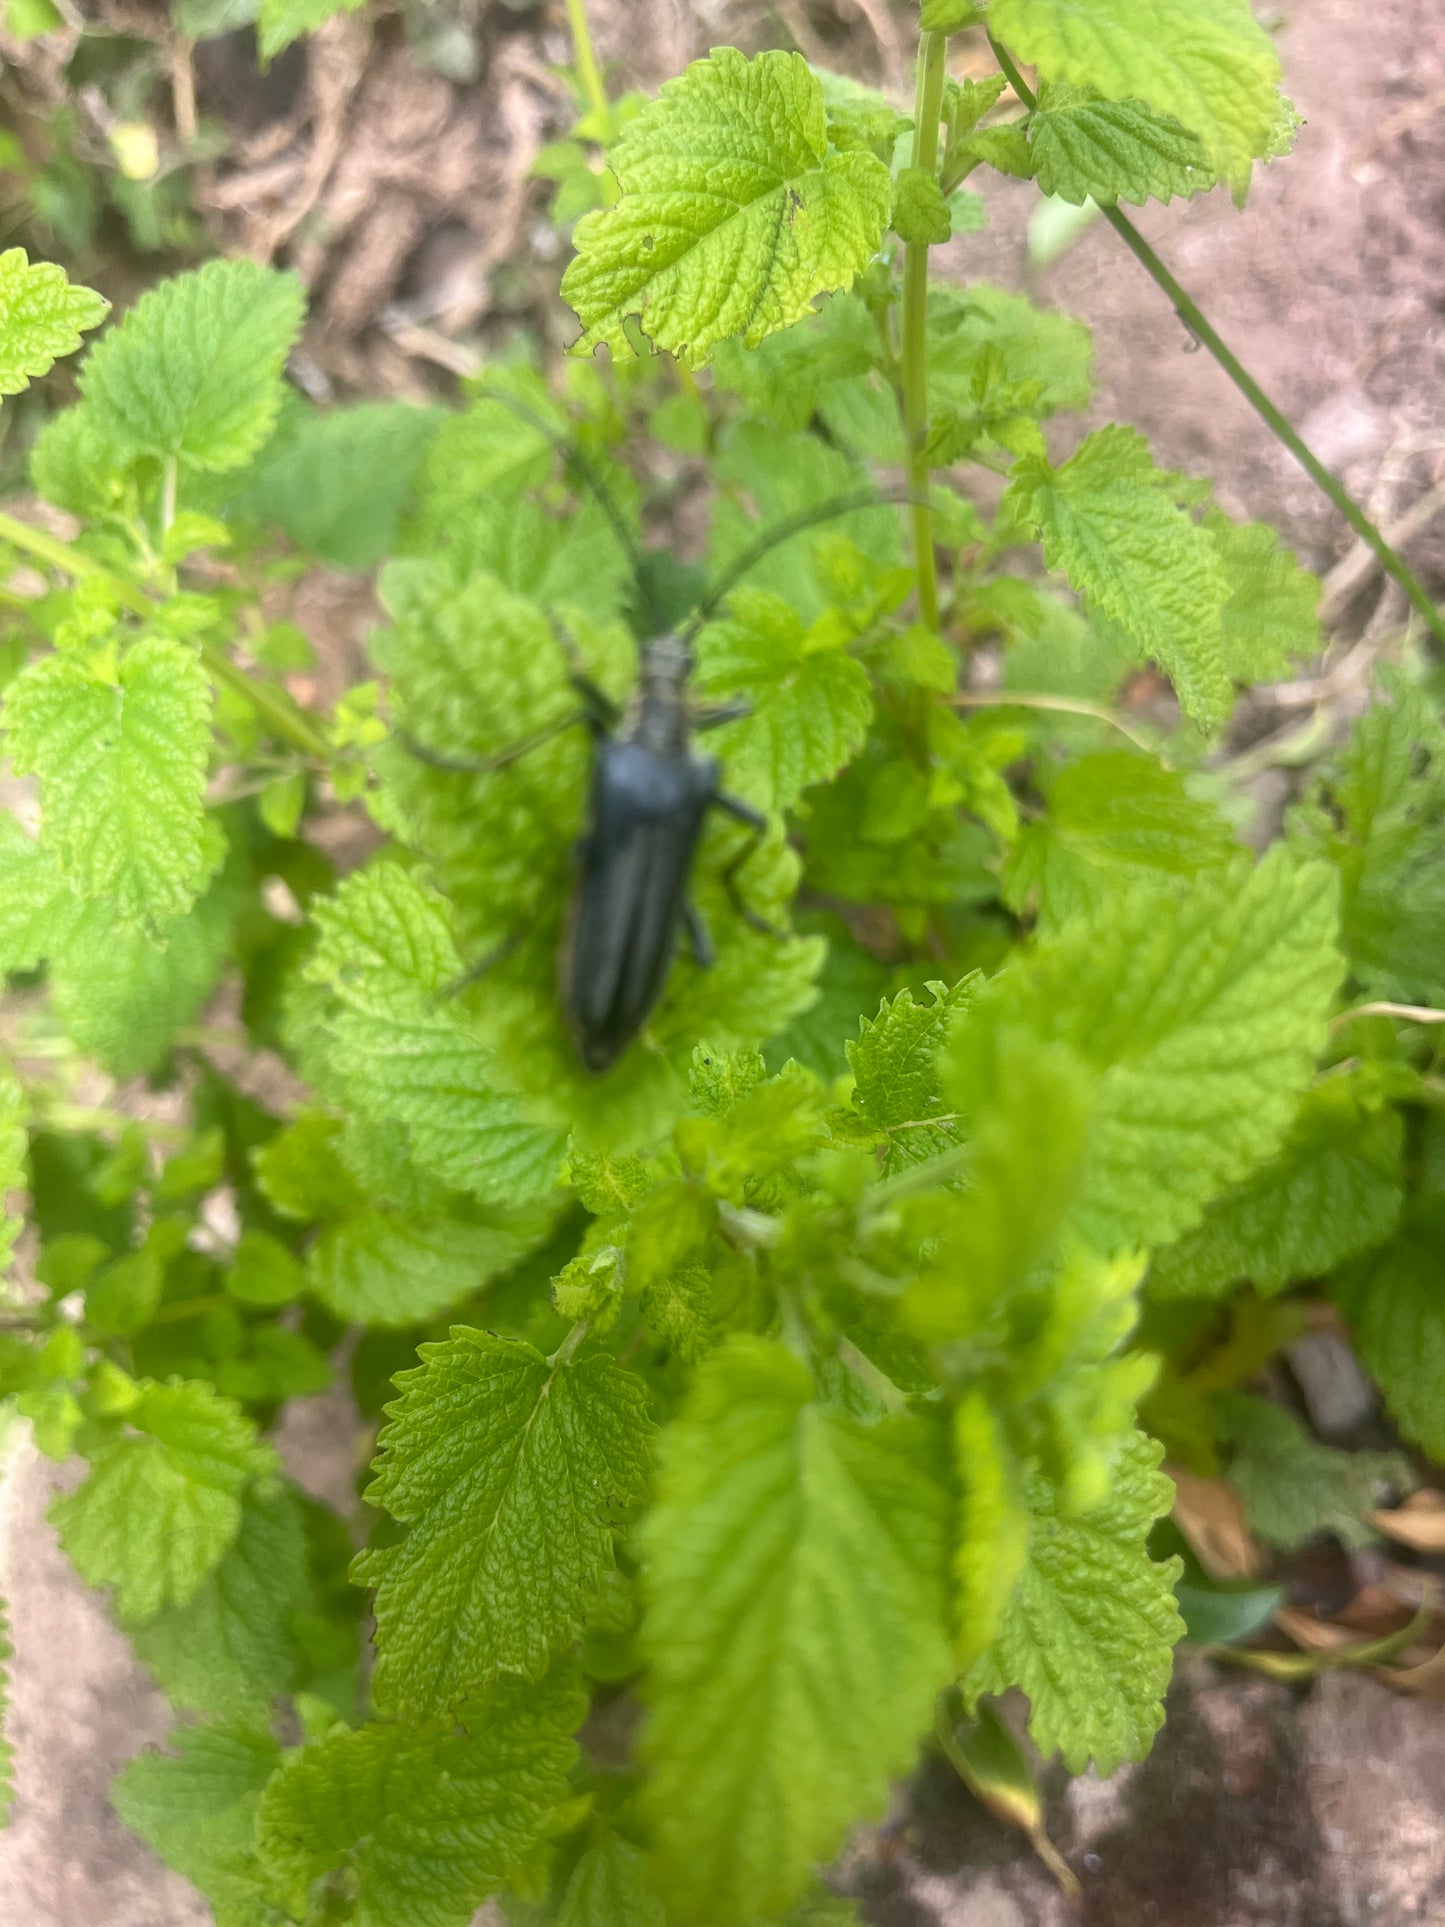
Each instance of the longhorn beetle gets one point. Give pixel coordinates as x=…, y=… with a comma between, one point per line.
x=650, y=796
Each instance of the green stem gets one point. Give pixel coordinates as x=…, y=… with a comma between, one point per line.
x=1199, y=325
x=73, y=562
x=272, y=705
x=588, y=72
x=928, y=109
x=282, y=716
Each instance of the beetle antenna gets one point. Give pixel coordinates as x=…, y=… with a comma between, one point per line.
x=571, y=451
x=784, y=531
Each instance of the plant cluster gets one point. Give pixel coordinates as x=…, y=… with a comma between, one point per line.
x=752, y=1409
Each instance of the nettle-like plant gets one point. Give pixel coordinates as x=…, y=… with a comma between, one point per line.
x=764, y=1404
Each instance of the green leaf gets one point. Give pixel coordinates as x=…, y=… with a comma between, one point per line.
x=979, y=328
x=1293, y=1487
x=120, y=998
x=122, y=768
x=193, y=372
x=1385, y=832
x=608, y=1888
x=1396, y=1310
x=162, y=1501
x=1200, y=1010
x=511, y=1470
x=993, y=1526
x=794, y=1625
x=1206, y=62
x=337, y=483
x=1111, y=817
x=300, y=1173
x=811, y=703
x=404, y=1049
x=1110, y=522
x=197, y=1807
x=1028, y=1106
x=920, y=213
x=383, y=1269
x=429, y=1821
x=264, y=1273
x=733, y=216
x=781, y=477
x=42, y=317
x=282, y=21
x=229, y=1650
x=897, y=1082
x=1335, y=1188
x=1090, y=1631
x=1089, y=148
x=1271, y=619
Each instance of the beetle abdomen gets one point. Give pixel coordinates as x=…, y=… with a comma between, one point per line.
x=633, y=864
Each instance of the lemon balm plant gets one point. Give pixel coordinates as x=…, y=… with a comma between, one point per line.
x=752, y=1413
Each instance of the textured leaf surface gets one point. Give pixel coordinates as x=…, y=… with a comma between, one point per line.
x=403, y=1047
x=193, y=373
x=383, y=1269
x=1201, y=1011
x=162, y=1501
x=608, y=1888
x=511, y=1472
x=733, y=216
x=1293, y=1487
x=794, y=1628
x=120, y=998
x=430, y=1821
x=1090, y=1631
x=1395, y=1302
x=1206, y=62
x=1385, y=832
x=897, y=1081
x=197, y=1808
x=811, y=703
x=1089, y=148
x=1335, y=1188
x=338, y=483
x=122, y=770
x=1111, y=817
x=42, y=318
x=1110, y=522
x=1271, y=619
x=230, y=1649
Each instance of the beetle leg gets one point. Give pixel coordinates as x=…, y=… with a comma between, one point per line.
x=484, y=765
x=602, y=714
x=758, y=824
x=697, y=936
x=714, y=715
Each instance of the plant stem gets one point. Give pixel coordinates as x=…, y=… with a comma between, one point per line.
x=588, y=72
x=73, y=562
x=272, y=705
x=168, y=496
x=282, y=716
x=1054, y=705
x=928, y=108
x=1199, y=325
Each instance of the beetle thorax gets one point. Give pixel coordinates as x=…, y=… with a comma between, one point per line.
x=658, y=713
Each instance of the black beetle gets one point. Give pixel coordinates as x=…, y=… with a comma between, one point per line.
x=650, y=796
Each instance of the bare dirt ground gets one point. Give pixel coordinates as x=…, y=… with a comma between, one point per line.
x=404, y=193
